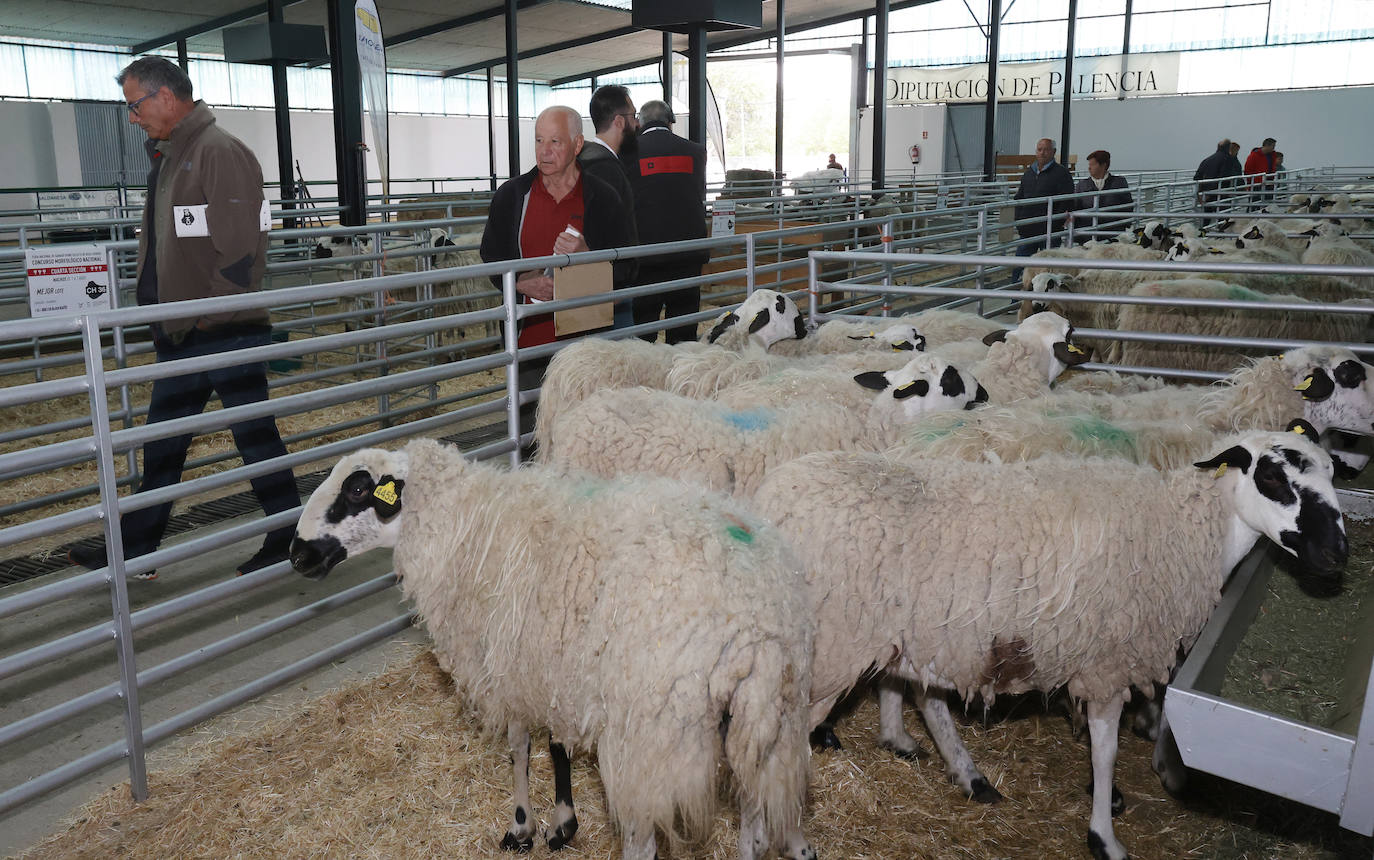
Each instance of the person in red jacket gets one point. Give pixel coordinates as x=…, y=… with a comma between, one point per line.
x=1258, y=164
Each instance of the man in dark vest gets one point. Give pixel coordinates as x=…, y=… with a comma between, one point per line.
x=615, y=123
x=669, y=182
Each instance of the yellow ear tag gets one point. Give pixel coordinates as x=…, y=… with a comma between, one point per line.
x=1221, y=470
x=1073, y=348
x=1299, y=430
x=386, y=492
x=1304, y=385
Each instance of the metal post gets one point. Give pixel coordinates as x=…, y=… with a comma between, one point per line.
x=114, y=546
x=511, y=339
x=282, y=112
x=182, y=59
x=668, y=69
x=512, y=92
x=1068, y=85
x=887, y=267
x=696, y=84
x=813, y=304
x=1125, y=47
x=879, y=93
x=491, y=125
x=982, y=249
x=777, y=103
x=990, y=119
x=346, y=80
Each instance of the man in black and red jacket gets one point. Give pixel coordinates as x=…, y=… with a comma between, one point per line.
x=669, y=182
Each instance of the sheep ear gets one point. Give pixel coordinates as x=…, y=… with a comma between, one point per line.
x=868, y=336
x=722, y=326
x=1071, y=355
x=1302, y=427
x=1234, y=456
x=800, y=325
x=1318, y=386
x=874, y=379
x=992, y=337
x=1350, y=373
x=920, y=344
x=386, y=496
x=760, y=320
x=917, y=387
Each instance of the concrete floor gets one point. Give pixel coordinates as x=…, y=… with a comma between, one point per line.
x=34, y=690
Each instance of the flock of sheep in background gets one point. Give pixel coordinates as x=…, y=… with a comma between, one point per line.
x=723, y=538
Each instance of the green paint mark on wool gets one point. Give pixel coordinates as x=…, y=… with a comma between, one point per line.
x=1244, y=294
x=1096, y=430
x=932, y=434
x=739, y=534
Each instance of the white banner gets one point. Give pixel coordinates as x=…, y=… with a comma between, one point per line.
x=1093, y=77
x=372, y=66
x=67, y=279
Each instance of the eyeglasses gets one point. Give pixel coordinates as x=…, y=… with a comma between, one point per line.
x=133, y=105
x=630, y=115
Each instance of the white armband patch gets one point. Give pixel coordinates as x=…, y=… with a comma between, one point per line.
x=191, y=221
x=265, y=217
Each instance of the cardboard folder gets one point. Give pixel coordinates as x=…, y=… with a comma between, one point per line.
x=571, y=282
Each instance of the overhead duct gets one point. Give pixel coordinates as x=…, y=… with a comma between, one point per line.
x=287, y=43
x=681, y=16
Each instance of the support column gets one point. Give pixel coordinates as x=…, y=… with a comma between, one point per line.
x=346, y=81
x=1068, y=86
x=990, y=117
x=880, y=94
x=696, y=84
x=668, y=69
x=1125, y=48
x=182, y=59
x=281, y=105
x=491, y=125
x=777, y=104
x=512, y=92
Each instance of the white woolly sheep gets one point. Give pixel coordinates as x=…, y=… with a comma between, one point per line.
x=644, y=431
x=992, y=579
x=1026, y=360
x=535, y=590
x=1225, y=322
x=595, y=363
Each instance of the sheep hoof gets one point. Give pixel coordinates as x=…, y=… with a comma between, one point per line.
x=1099, y=849
x=562, y=834
x=510, y=842
x=915, y=753
x=983, y=792
x=823, y=737
x=1118, y=799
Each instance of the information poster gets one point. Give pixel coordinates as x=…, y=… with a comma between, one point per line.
x=67, y=279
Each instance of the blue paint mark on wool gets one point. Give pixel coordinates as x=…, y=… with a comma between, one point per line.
x=749, y=420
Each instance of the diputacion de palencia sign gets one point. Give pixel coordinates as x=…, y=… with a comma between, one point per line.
x=1093, y=77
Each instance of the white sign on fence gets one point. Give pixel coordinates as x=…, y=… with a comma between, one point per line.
x=54, y=202
x=67, y=279
x=723, y=218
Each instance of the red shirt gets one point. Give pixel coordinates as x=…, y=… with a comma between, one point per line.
x=543, y=220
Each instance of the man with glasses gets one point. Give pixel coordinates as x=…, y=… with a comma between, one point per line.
x=204, y=235
x=613, y=119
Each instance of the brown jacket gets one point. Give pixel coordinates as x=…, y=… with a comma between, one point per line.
x=211, y=183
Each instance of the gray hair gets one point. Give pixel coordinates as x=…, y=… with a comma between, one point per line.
x=656, y=111
x=571, y=118
x=154, y=73
x=1048, y=140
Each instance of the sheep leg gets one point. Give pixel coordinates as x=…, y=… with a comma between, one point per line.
x=638, y=843
x=753, y=839
x=892, y=733
x=1167, y=761
x=1102, y=727
x=520, y=835
x=958, y=763
x=564, y=816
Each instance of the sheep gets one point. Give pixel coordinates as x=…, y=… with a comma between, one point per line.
x=535, y=590
x=837, y=336
x=1272, y=239
x=1025, y=361
x=1103, y=282
x=641, y=430
x=1226, y=322
x=827, y=180
x=590, y=364
x=991, y=579
x=940, y=326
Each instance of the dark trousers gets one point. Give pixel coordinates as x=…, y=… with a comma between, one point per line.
x=181, y=396
x=672, y=304
x=1026, y=249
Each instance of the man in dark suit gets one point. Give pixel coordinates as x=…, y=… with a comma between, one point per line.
x=1044, y=178
x=1212, y=175
x=669, y=183
x=1106, y=190
x=615, y=123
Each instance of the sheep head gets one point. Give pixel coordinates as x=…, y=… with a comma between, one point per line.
x=1337, y=388
x=357, y=508
x=901, y=337
x=923, y=385
x=1049, y=335
x=1279, y=485
x=768, y=315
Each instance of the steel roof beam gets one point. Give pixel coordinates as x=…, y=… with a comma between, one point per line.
x=539, y=52
x=207, y=27
x=455, y=23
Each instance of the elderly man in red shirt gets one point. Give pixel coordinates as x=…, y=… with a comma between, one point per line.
x=1259, y=170
x=531, y=215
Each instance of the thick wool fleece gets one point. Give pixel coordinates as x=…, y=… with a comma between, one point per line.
x=840, y=336
x=635, y=615
x=988, y=579
x=1014, y=369
x=642, y=431
x=939, y=326
x=1224, y=322
x=1102, y=282
x=831, y=381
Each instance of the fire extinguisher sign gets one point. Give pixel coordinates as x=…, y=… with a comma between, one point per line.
x=915, y=154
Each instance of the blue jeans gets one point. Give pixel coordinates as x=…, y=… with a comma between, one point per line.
x=181, y=396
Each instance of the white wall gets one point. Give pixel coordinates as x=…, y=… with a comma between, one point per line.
x=923, y=125
x=1313, y=127
x=28, y=157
